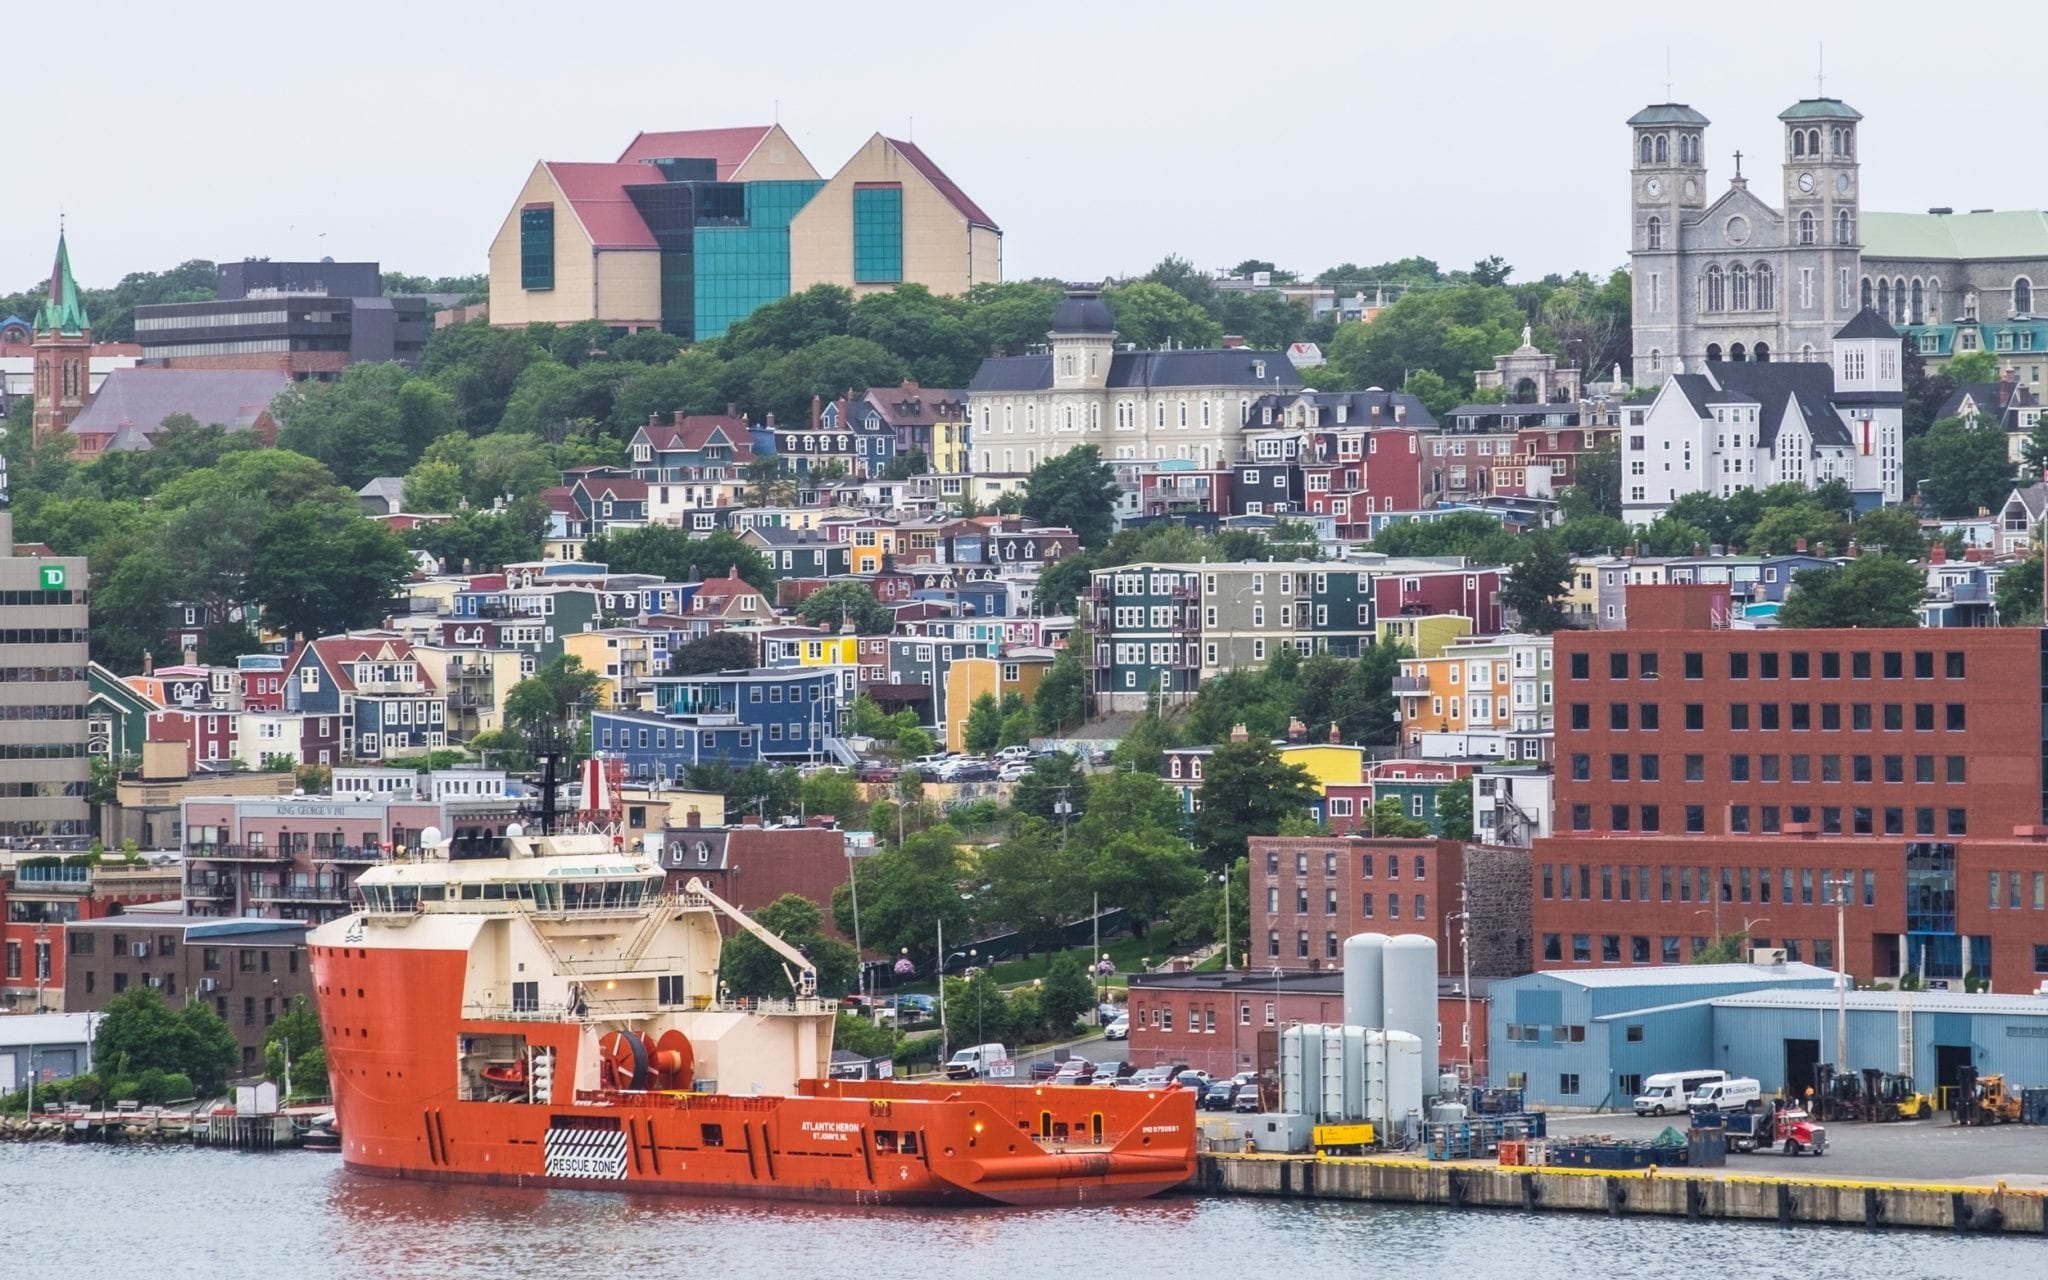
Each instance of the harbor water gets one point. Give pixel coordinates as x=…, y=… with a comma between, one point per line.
x=175, y=1212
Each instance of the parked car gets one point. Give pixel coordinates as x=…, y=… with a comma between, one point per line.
x=1147, y=1078
x=1113, y=1073
x=1247, y=1100
x=976, y=1060
x=1013, y=772
x=973, y=771
x=1013, y=755
x=916, y=1006
x=1120, y=1029
x=1219, y=1096
x=1199, y=1080
x=877, y=773
x=1075, y=1070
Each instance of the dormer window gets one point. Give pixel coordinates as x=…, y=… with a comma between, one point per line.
x=1259, y=370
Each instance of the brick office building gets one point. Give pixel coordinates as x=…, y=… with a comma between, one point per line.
x=1224, y=1023
x=250, y=971
x=1310, y=893
x=1712, y=782
x=751, y=866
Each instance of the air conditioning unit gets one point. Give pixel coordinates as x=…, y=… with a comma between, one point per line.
x=209, y=984
x=155, y=981
x=1767, y=955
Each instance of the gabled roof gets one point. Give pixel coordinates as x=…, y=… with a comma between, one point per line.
x=2034, y=498
x=1773, y=384
x=694, y=432
x=338, y=654
x=617, y=488
x=143, y=398
x=1195, y=367
x=597, y=195
x=945, y=186
x=729, y=147
x=886, y=402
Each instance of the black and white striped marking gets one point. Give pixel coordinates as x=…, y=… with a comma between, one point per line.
x=585, y=1153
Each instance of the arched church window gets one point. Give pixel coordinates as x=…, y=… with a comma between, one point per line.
x=1712, y=291
x=1866, y=293
x=1663, y=149
x=1845, y=228
x=1646, y=149
x=1656, y=360
x=1813, y=142
x=1766, y=291
x=1884, y=298
x=1692, y=148
x=1799, y=142
x=1653, y=232
x=1913, y=316
x=1934, y=301
x=1899, y=300
x=2022, y=296
x=1761, y=353
x=1806, y=349
x=1738, y=287
x=1737, y=354
x=1713, y=353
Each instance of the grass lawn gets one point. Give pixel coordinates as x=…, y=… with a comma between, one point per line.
x=1126, y=953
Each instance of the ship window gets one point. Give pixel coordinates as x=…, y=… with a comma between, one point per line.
x=909, y=1144
x=885, y=1142
x=472, y=892
x=433, y=892
x=494, y=892
x=714, y=1135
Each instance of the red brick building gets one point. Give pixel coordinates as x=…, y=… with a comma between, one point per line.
x=1224, y=1023
x=41, y=897
x=1310, y=893
x=751, y=867
x=1712, y=782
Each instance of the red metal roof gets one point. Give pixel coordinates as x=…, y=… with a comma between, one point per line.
x=946, y=186
x=729, y=147
x=597, y=192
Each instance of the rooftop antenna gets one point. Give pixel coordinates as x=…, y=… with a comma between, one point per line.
x=1667, y=73
x=1820, y=75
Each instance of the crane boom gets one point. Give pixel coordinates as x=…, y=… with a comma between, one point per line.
x=804, y=981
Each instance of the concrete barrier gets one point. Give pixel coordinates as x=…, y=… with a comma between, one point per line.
x=1676, y=1193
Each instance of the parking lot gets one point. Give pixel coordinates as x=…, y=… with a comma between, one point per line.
x=1906, y=1151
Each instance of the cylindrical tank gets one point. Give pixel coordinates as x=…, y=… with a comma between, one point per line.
x=1410, y=995
x=1376, y=1077
x=1404, y=1082
x=1365, y=979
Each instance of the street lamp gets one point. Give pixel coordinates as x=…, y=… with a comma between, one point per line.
x=1838, y=889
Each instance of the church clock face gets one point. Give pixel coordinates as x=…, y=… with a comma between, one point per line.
x=1653, y=188
x=1806, y=182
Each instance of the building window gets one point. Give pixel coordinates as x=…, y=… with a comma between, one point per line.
x=878, y=234
x=1568, y=1084
x=537, y=247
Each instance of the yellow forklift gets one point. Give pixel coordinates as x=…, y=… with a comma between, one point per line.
x=1891, y=1096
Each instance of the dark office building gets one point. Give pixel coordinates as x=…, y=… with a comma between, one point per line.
x=309, y=320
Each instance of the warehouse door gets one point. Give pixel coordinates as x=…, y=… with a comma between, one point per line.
x=1800, y=1057
x=1948, y=1060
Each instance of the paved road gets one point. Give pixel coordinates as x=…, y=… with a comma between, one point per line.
x=1912, y=1151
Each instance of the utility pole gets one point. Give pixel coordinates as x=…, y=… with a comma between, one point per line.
x=1840, y=890
x=859, y=956
x=1225, y=878
x=940, y=973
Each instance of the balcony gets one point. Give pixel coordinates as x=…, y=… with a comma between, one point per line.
x=350, y=853
x=236, y=853
x=299, y=892
x=1411, y=684
x=211, y=888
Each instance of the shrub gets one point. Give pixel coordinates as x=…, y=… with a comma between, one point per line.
x=177, y=1087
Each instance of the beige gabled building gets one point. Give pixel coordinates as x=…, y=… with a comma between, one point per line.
x=690, y=231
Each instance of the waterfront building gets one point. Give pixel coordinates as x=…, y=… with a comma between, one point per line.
x=1309, y=893
x=44, y=894
x=44, y=692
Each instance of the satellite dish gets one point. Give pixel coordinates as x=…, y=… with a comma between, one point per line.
x=515, y=830
x=430, y=837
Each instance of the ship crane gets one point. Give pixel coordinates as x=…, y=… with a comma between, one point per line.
x=804, y=981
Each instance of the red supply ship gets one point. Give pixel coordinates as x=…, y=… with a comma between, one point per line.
x=551, y=1017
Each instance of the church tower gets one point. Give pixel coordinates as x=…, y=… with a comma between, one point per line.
x=1822, y=224
x=63, y=352
x=1668, y=180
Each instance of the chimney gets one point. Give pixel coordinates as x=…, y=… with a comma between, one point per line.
x=148, y=663
x=1938, y=554
x=1232, y=341
x=1336, y=734
x=732, y=409
x=770, y=422
x=693, y=819
x=817, y=411
x=1238, y=734
x=1296, y=730
x=191, y=656
x=1799, y=545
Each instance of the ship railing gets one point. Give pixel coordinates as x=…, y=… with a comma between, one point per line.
x=813, y=1004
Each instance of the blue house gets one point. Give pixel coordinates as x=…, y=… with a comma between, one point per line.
x=762, y=713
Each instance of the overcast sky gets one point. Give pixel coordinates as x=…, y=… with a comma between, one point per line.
x=1100, y=136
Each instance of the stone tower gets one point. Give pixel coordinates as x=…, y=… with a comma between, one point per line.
x=63, y=352
x=1821, y=224
x=1668, y=186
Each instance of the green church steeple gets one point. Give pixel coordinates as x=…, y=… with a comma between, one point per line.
x=63, y=311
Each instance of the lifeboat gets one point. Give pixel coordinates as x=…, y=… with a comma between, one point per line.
x=507, y=1077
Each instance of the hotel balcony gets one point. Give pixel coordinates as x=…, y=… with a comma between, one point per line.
x=237, y=853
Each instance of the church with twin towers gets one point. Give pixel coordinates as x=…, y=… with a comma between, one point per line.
x=1729, y=273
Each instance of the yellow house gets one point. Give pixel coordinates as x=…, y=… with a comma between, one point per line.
x=623, y=659
x=870, y=545
x=1426, y=635
x=1019, y=671
x=1329, y=763
x=651, y=809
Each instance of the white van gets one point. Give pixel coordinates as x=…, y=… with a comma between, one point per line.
x=1739, y=1094
x=979, y=1060
x=1669, y=1092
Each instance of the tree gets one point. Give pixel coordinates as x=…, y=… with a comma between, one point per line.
x=1061, y=583
x=2019, y=592
x=1059, y=700
x=1052, y=780
x=2034, y=450
x=1390, y=819
x=1480, y=538
x=1536, y=587
x=1152, y=315
x=1585, y=535
x=1143, y=871
x=798, y=320
x=205, y=1049
x=1028, y=886
x=906, y=893
x=1450, y=332
x=374, y=420
x=1668, y=535
x=138, y=1032
x=433, y=487
x=831, y=791
x=541, y=707
x=977, y=1011
x=1454, y=810
x=1491, y=272
x=1783, y=530
x=984, y=724
x=1892, y=530
x=1246, y=790
x=828, y=368
x=295, y=1037
x=1870, y=591
x=1076, y=489
x=719, y=651
x=1732, y=948
x=1068, y=992
x=1597, y=489
x=1122, y=801
x=852, y=602
x=1968, y=367
x=1967, y=466
x=1005, y=318
x=673, y=554
x=318, y=572
x=483, y=541
x=749, y=967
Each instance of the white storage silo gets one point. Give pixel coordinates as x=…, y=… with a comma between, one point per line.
x=1404, y=1081
x=1410, y=995
x=1376, y=1077
x=1365, y=973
